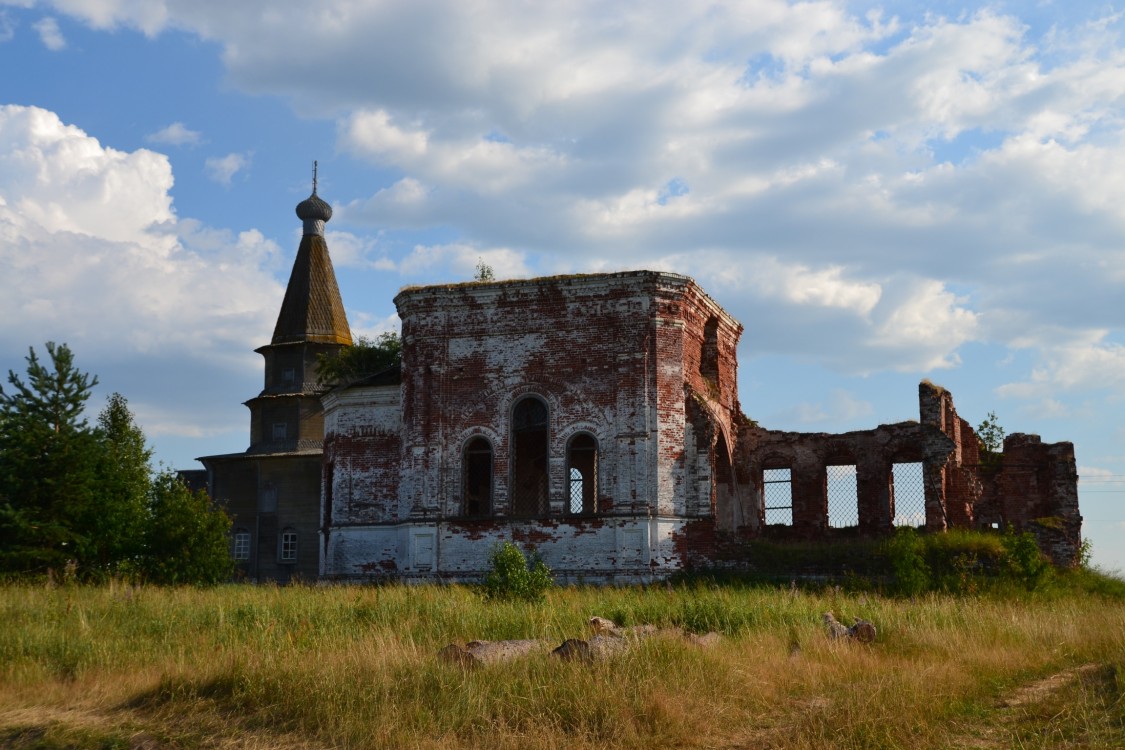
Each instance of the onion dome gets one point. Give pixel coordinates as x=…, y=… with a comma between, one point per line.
x=313, y=211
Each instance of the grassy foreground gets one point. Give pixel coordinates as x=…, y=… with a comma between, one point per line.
x=352, y=667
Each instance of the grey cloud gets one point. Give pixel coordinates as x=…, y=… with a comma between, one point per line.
x=811, y=137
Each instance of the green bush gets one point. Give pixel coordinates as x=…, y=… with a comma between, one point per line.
x=907, y=562
x=513, y=576
x=186, y=540
x=1023, y=562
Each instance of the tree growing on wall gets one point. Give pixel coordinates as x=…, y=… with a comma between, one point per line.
x=991, y=433
x=484, y=271
x=991, y=437
x=365, y=357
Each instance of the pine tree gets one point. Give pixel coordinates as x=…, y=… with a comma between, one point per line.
x=75, y=495
x=114, y=523
x=48, y=459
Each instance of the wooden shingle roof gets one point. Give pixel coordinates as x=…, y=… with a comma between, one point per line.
x=312, y=310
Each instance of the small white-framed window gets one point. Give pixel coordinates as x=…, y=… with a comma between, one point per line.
x=288, y=546
x=241, y=544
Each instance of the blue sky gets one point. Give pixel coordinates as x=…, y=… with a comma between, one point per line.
x=880, y=192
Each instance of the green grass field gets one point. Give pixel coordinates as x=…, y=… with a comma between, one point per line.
x=355, y=667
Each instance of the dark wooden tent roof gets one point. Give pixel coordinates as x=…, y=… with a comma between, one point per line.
x=312, y=310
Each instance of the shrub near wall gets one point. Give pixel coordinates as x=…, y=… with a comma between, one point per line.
x=513, y=576
x=907, y=563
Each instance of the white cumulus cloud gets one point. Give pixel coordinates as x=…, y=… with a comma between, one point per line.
x=890, y=185
x=50, y=34
x=95, y=256
x=222, y=169
x=176, y=134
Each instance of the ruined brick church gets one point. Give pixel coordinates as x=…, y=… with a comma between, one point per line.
x=593, y=418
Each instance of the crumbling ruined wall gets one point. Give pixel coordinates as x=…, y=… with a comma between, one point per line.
x=1033, y=486
x=640, y=367
x=362, y=447
x=361, y=472
x=872, y=452
x=954, y=487
x=1030, y=486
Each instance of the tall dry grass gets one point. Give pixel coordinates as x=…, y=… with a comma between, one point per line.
x=355, y=667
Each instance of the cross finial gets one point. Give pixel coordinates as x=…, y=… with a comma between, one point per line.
x=314, y=177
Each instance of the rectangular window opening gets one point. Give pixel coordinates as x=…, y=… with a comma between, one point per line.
x=289, y=546
x=777, y=496
x=242, y=545
x=910, y=494
x=843, y=497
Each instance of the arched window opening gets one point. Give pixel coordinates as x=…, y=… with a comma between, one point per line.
x=529, y=458
x=477, y=480
x=726, y=508
x=582, y=485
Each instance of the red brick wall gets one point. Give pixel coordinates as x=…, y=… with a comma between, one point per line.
x=609, y=354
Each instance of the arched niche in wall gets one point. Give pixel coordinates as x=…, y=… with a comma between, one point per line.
x=529, y=448
x=476, y=477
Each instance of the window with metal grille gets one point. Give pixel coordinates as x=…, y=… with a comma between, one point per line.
x=910, y=494
x=280, y=430
x=477, y=466
x=843, y=497
x=582, y=460
x=529, y=458
x=777, y=496
x=288, y=546
x=241, y=545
